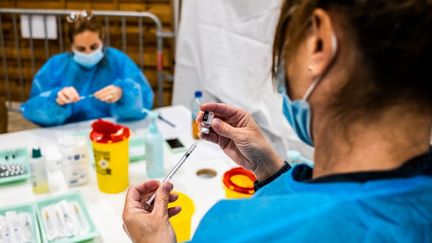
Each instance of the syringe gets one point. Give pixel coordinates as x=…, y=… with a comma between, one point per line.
x=174, y=169
x=85, y=97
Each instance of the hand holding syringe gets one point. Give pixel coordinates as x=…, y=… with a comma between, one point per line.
x=174, y=169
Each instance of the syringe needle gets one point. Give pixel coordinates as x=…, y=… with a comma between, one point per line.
x=174, y=169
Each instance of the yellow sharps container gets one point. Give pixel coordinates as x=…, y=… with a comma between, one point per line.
x=239, y=183
x=182, y=222
x=110, y=143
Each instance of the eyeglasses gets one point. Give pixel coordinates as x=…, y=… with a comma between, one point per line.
x=74, y=17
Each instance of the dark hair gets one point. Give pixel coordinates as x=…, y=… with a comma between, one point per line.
x=83, y=21
x=394, y=46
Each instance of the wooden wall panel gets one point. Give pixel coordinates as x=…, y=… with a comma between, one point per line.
x=161, y=8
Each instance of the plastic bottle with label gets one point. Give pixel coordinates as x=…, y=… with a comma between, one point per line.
x=195, y=108
x=75, y=160
x=39, y=177
x=154, y=149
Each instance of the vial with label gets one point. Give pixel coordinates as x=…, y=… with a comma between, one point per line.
x=39, y=177
x=206, y=122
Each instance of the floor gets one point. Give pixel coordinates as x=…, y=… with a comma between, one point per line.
x=16, y=122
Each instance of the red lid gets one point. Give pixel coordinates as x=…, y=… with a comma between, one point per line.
x=108, y=132
x=231, y=184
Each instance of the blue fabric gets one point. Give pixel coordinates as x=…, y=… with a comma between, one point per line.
x=61, y=71
x=390, y=210
x=298, y=115
x=297, y=112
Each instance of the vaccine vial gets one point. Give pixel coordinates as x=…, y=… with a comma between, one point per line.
x=206, y=122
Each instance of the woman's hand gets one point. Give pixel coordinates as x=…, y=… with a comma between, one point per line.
x=238, y=135
x=149, y=224
x=67, y=95
x=109, y=94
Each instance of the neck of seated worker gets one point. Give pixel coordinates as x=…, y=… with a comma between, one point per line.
x=371, y=143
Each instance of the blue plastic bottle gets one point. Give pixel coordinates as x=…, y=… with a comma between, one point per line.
x=154, y=149
x=195, y=108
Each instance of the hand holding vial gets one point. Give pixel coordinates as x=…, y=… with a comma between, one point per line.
x=238, y=135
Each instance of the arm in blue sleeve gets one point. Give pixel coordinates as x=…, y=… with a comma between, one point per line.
x=137, y=93
x=276, y=184
x=42, y=107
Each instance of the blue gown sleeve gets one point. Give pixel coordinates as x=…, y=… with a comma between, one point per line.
x=42, y=108
x=137, y=93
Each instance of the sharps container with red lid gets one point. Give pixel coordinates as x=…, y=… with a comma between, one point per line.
x=110, y=143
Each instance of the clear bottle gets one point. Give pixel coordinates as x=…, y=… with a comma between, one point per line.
x=75, y=160
x=154, y=149
x=39, y=177
x=195, y=108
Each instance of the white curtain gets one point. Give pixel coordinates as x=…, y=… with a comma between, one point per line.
x=224, y=48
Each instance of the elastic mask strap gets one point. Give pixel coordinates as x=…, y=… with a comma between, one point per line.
x=318, y=79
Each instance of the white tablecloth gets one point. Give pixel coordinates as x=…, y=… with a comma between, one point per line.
x=106, y=209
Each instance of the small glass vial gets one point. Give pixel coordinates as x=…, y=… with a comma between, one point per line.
x=206, y=122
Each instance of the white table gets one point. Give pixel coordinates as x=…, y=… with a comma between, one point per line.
x=106, y=209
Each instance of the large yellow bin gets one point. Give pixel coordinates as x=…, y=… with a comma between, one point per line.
x=238, y=183
x=182, y=222
x=111, y=153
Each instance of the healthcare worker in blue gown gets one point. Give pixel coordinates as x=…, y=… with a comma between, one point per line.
x=90, y=82
x=355, y=80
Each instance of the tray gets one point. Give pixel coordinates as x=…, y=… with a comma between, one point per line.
x=72, y=196
x=12, y=156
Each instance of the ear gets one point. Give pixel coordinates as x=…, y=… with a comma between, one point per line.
x=321, y=43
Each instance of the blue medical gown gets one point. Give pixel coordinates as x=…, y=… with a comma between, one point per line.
x=62, y=71
x=390, y=210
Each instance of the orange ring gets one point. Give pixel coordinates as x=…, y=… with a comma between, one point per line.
x=234, y=187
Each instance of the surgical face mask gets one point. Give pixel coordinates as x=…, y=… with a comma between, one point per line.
x=298, y=112
x=88, y=60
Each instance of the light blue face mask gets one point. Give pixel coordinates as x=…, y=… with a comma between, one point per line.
x=88, y=60
x=298, y=112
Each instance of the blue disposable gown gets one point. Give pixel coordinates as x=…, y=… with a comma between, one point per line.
x=62, y=71
x=389, y=210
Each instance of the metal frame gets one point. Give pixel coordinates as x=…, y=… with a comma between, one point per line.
x=160, y=36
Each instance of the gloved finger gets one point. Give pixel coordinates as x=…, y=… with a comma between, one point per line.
x=173, y=211
x=162, y=199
